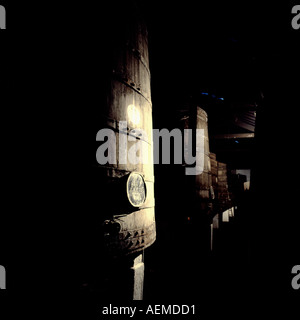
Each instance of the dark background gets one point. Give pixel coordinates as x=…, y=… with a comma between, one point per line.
x=244, y=53
x=51, y=66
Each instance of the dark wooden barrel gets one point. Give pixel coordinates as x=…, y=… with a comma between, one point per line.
x=204, y=180
x=127, y=189
x=214, y=174
x=198, y=187
x=223, y=192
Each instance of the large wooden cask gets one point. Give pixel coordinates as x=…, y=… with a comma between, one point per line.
x=198, y=186
x=126, y=180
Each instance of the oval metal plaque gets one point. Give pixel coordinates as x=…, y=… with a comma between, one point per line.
x=136, y=189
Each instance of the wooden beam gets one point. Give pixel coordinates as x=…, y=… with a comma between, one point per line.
x=244, y=125
x=233, y=135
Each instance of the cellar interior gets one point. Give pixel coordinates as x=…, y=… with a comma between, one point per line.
x=208, y=93
x=226, y=70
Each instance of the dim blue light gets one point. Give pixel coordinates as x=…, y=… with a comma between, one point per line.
x=204, y=93
x=221, y=99
x=236, y=141
x=213, y=96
